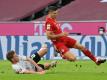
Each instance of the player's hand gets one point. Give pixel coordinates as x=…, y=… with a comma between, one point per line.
x=64, y=33
x=39, y=69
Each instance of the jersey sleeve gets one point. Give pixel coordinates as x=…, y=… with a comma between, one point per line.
x=18, y=69
x=49, y=27
x=23, y=58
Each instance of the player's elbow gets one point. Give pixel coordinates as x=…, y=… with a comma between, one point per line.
x=49, y=37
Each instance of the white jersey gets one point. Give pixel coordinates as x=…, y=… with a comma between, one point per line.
x=23, y=65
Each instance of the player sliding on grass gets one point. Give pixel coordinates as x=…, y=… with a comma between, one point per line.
x=62, y=42
x=26, y=65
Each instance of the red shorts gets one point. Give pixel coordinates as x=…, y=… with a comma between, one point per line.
x=64, y=44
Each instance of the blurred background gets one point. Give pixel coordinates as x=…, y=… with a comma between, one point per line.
x=70, y=10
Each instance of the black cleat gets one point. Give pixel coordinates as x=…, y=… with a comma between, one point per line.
x=100, y=61
x=53, y=64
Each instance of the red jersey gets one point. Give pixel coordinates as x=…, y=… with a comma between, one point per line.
x=62, y=44
x=52, y=25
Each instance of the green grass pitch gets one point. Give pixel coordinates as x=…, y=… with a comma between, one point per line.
x=80, y=70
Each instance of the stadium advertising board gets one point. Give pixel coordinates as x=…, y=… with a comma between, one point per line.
x=37, y=28
x=26, y=45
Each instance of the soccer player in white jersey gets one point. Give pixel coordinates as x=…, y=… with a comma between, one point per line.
x=29, y=65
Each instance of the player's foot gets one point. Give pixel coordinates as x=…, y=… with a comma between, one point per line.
x=53, y=64
x=100, y=61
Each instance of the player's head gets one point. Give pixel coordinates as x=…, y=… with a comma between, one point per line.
x=12, y=56
x=101, y=30
x=52, y=11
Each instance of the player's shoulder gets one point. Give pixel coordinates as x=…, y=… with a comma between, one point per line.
x=49, y=20
x=22, y=57
x=49, y=23
x=16, y=67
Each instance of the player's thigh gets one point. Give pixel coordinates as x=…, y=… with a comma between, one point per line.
x=64, y=52
x=78, y=46
x=61, y=48
x=70, y=42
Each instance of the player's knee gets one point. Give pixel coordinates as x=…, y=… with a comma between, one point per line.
x=81, y=48
x=72, y=59
x=46, y=49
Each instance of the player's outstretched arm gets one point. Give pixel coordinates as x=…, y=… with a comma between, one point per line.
x=42, y=72
x=31, y=72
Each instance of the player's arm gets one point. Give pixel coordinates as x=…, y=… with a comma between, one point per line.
x=51, y=35
x=31, y=72
x=49, y=32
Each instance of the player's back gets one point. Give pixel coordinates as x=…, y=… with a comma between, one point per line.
x=22, y=65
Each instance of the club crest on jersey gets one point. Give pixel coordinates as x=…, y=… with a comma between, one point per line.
x=48, y=26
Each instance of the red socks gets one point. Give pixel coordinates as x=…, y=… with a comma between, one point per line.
x=89, y=54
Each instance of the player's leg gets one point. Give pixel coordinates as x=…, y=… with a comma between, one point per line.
x=48, y=65
x=64, y=52
x=88, y=53
x=41, y=66
x=69, y=56
x=43, y=50
x=37, y=56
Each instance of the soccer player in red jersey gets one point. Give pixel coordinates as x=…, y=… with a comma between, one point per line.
x=62, y=42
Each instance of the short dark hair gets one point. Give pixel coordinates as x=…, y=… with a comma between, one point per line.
x=102, y=28
x=52, y=8
x=9, y=55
